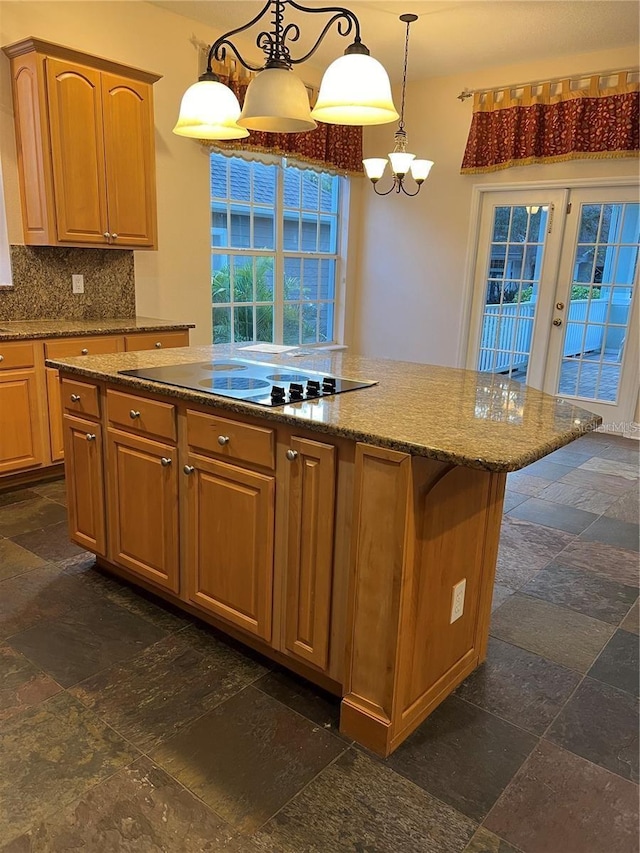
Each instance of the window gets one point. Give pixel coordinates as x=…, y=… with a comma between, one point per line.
x=275, y=251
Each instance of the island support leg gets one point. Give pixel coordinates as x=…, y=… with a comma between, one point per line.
x=420, y=528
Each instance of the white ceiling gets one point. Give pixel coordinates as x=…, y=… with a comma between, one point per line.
x=448, y=37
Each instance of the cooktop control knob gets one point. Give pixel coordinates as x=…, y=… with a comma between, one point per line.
x=313, y=388
x=329, y=385
x=277, y=394
x=296, y=391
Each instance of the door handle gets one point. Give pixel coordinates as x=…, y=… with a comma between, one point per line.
x=557, y=322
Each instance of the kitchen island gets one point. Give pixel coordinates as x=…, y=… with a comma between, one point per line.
x=351, y=537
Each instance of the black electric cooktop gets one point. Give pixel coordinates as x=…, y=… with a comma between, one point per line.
x=250, y=381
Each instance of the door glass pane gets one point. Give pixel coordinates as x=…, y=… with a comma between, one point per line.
x=598, y=315
x=513, y=281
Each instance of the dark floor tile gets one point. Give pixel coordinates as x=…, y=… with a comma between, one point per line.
x=247, y=757
x=150, y=698
x=598, y=482
x=51, y=543
x=52, y=754
x=22, y=684
x=463, y=755
x=82, y=642
x=512, y=499
x=612, y=468
x=625, y=508
x=570, y=456
x=486, y=842
x=519, y=686
x=626, y=451
x=578, y=497
x=358, y=804
x=15, y=560
x=139, y=810
x=564, y=636
x=16, y=496
x=618, y=663
x=611, y=531
x=500, y=595
x=526, y=548
x=526, y=484
x=30, y=515
x=617, y=564
x=631, y=621
x=560, y=803
x=592, y=441
x=55, y=490
x=557, y=516
x=583, y=591
x=600, y=723
x=312, y=702
x=548, y=469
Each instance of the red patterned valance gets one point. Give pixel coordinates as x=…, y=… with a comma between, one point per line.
x=330, y=146
x=534, y=125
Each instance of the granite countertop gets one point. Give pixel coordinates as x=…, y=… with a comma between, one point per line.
x=24, y=330
x=473, y=419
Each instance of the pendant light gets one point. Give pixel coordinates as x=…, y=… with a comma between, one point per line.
x=355, y=89
x=402, y=162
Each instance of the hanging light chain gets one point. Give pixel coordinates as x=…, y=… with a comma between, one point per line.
x=404, y=76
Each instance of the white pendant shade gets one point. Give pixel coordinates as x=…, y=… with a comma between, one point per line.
x=374, y=167
x=420, y=169
x=209, y=110
x=355, y=90
x=401, y=161
x=277, y=102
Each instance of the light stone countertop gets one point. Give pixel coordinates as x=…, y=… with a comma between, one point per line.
x=473, y=419
x=24, y=330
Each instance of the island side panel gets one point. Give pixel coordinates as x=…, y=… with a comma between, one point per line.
x=421, y=526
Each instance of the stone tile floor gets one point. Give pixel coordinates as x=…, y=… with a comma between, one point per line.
x=126, y=726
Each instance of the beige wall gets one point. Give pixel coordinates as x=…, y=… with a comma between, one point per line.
x=413, y=250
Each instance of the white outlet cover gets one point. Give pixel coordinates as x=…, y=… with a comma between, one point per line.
x=457, y=600
x=77, y=283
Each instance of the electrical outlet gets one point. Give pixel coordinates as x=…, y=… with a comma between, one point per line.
x=457, y=600
x=77, y=283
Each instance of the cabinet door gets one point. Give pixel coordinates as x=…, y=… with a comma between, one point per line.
x=85, y=483
x=309, y=560
x=56, y=437
x=77, y=149
x=20, y=432
x=143, y=508
x=130, y=160
x=230, y=522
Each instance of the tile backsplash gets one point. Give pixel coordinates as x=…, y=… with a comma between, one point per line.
x=42, y=284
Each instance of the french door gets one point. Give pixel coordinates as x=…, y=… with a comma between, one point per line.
x=554, y=295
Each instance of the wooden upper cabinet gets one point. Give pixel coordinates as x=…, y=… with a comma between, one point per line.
x=86, y=152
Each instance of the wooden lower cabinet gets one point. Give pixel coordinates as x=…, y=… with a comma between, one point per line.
x=229, y=542
x=143, y=508
x=311, y=488
x=21, y=445
x=85, y=483
x=56, y=432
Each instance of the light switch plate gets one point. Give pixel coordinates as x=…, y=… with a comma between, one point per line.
x=77, y=283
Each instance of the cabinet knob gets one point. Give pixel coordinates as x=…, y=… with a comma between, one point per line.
x=84, y=351
x=223, y=439
x=188, y=469
x=106, y=235
x=75, y=398
x=133, y=414
x=1, y=358
x=165, y=462
x=158, y=344
x=291, y=455
x=114, y=236
x=91, y=436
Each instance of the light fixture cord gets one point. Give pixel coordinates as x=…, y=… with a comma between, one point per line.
x=404, y=76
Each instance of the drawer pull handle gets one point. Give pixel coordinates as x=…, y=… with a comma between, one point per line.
x=291, y=455
x=223, y=439
x=188, y=469
x=158, y=344
x=85, y=351
x=91, y=436
x=75, y=398
x=165, y=462
x=133, y=414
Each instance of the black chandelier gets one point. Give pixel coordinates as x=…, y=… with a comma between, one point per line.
x=355, y=88
x=402, y=162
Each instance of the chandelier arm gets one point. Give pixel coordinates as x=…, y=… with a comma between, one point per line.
x=215, y=49
x=406, y=192
x=390, y=190
x=221, y=54
x=339, y=16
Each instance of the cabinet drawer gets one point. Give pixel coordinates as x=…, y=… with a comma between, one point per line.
x=141, y=415
x=83, y=346
x=231, y=439
x=80, y=398
x=156, y=340
x=16, y=355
